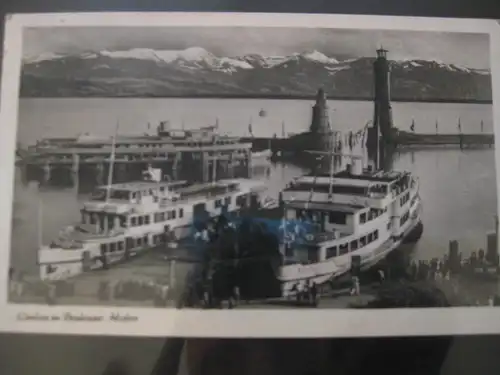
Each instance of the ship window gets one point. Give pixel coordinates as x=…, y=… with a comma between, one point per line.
x=227, y=201
x=157, y=217
x=138, y=242
x=140, y=220
x=370, y=238
x=389, y=225
x=146, y=220
x=173, y=214
x=337, y=217
x=120, y=246
x=217, y=203
x=343, y=249
x=404, y=218
x=331, y=252
x=241, y=200
x=354, y=245
x=362, y=218
x=362, y=241
x=181, y=212
x=404, y=199
x=123, y=221
x=103, y=248
x=162, y=216
x=145, y=240
x=312, y=254
x=112, y=247
x=93, y=219
x=375, y=235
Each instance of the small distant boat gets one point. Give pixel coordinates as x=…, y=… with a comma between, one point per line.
x=262, y=113
x=266, y=154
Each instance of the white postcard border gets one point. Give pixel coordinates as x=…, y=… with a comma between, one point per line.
x=225, y=323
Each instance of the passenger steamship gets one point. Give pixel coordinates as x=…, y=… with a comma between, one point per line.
x=123, y=220
x=334, y=219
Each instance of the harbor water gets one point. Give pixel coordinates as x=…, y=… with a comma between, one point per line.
x=458, y=188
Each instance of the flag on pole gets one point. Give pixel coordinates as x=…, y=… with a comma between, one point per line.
x=412, y=126
x=250, y=131
x=459, y=126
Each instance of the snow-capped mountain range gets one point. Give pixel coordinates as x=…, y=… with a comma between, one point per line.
x=198, y=72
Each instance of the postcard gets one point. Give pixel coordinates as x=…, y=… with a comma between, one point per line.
x=249, y=175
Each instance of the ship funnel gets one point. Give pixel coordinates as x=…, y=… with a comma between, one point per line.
x=357, y=167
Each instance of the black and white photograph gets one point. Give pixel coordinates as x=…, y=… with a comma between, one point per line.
x=253, y=168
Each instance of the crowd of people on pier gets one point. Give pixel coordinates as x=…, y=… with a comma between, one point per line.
x=126, y=290
x=478, y=264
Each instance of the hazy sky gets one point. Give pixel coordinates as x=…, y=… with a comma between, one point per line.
x=471, y=50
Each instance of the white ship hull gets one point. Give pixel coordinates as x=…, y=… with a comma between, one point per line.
x=295, y=277
x=61, y=263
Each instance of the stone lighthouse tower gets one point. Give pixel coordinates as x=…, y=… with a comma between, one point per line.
x=381, y=134
x=320, y=129
x=382, y=116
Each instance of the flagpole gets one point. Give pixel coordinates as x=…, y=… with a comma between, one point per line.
x=40, y=223
x=377, y=157
x=330, y=186
x=111, y=163
x=214, y=166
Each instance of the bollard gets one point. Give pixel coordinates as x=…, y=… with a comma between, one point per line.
x=172, y=274
x=492, y=249
x=453, y=256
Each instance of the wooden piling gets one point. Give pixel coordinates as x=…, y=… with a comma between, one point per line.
x=171, y=274
x=492, y=248
x=453, y=256
x=47, y=173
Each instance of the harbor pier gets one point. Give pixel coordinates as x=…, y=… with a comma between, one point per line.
x=194, y=156
x=160, y=278
x=379, y=133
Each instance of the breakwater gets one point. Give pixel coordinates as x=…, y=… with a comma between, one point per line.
x=297, y=144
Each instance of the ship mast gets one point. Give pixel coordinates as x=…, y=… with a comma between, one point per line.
x=377, y=156
x=40, y=223
x=214, y=161
x=111, y=163
x=330, y=185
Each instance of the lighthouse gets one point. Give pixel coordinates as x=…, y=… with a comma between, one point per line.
x=382, y=116
x=381, y=133
x=320, y=129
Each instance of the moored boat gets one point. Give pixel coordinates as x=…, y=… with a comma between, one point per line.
x=334, y=221
x=121, y=221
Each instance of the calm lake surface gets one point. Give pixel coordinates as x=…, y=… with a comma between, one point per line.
x=458, y=188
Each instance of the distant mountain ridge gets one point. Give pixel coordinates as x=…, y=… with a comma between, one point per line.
x=143, y=72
